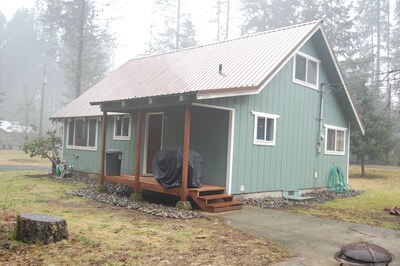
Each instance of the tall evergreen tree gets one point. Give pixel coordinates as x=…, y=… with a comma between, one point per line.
x=395, y=37
x=395, y=57
x=222, y=18
x=379, y=138
x=177, y=30
x=261, y=15
x=338, y=24
x=21, y=61
x=84, y=45
x=374, y=34
x=3, y=23
x=257, y=16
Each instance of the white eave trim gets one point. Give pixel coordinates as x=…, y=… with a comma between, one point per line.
x=360, y=125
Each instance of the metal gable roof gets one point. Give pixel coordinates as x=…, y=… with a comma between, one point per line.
x=248, y=63
x=245, y=61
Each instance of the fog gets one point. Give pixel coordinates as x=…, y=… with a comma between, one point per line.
x=60, y=52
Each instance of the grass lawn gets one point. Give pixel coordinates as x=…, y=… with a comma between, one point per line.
x=18, y=157
x=381, y=190
x=101, y=234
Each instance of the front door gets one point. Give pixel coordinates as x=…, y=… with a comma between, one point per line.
x=154, y=138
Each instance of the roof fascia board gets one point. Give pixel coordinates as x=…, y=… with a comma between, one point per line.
x=120, y=107
x=336, y=63
x=221, y=94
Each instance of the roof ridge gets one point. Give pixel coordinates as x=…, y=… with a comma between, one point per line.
x=230, y=40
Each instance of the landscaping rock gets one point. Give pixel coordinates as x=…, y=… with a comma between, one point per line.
x=145, y=207
x=280, y=202
x=118, y=195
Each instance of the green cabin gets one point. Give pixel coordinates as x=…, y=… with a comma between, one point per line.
x=269, y=112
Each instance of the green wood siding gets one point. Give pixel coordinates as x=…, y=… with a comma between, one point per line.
x=209, y=138
x=209, y=131
x=89, y=161
x=291, y=163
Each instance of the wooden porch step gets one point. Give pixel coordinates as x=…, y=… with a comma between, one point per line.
x=216, y=197
x=224, y=206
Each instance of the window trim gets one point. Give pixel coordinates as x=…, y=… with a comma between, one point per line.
x=302, y=82
x=336, y=128
x=86, y=148
x=115, y=137
x=266, y=116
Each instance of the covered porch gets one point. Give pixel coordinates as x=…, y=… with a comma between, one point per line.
x=213, y=195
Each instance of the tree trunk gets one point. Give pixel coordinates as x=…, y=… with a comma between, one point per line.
x=38, y=228
x=80, y=51
x=362, y=166
x=178, y=25
x=53, y=168
x=227, y=19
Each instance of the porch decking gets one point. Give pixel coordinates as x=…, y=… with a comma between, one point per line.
x=209, y=198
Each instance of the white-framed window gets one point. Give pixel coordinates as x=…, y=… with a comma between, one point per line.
x=264, y=128
x=82, y=133
x=306, y=70
x=335, y=140
x=122, y=127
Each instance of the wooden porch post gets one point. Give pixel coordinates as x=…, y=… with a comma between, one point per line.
x=137, y=153
x=136, y=195
x=103, y=147
x=184, y=204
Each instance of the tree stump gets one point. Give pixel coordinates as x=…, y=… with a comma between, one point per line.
x=39, y=228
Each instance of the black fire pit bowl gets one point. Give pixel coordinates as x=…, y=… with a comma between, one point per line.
x=363, y=253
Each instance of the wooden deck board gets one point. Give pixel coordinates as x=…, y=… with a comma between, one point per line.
x=199, y=195
x=149, y=183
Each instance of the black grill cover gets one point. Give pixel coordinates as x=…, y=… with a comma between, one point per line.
x=167, y=168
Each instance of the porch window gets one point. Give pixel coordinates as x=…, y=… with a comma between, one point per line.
x=122, y=127
x=82, y=134
x=335, y=140
x=306, y=70
x=264, y=128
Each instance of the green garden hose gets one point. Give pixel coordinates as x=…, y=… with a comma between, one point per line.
x=336, y=181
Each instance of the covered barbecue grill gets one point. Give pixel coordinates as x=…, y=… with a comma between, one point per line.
x=167, y=168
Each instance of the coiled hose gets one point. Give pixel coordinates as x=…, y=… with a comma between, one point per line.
x=336, y=181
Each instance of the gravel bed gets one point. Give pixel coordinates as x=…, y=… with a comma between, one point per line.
x=319, y=197
x=118, y=195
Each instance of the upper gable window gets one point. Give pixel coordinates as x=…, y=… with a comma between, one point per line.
x=306, y=70
x=122, y=127
x=264, y=128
